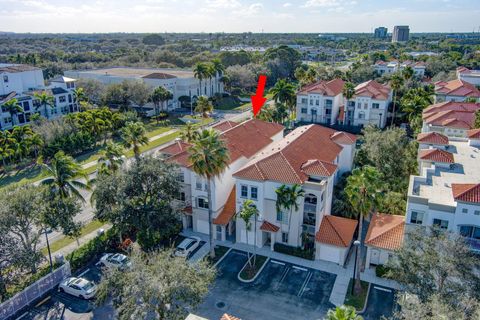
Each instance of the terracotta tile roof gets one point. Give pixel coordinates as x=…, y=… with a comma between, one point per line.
x=336, y=231
x=159, y=75
x=463, y=70
x=473, y=134
x=432, y=138
x=175, y=147
x=244, y=140
x=284, y=160
x=188, y=210
x=436, y=155
x=372, y=89
x=342, y=137
x=225, y=125
x=385, y=231
x=267, y=226
x=327, y=88
x=228, y=211
x=451, y=114
x=319, y=168
x=229, y=317
x=457, y=87
x=466, y=192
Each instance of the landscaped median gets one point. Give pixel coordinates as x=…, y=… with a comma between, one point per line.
x=220, y=252
x=252, y=268
x=357, y=301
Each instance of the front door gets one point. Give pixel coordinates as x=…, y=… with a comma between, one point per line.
x=219, y=232
x=189, y=222
x=268, y=238
x=375, y=257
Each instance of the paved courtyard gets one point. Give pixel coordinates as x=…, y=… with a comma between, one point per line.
x=281, y=291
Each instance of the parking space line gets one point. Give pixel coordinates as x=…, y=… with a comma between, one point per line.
x=81, y=274
x=299, y=268
x=382, y=289
x=277, y=262
x=284, y=274
x=305, y=283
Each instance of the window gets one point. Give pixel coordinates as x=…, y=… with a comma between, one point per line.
x=279, y=216
x=244, y=192
x=198, y=184
x=7, y=120
x=285, y=237
x=361, y=115
x=62, y=99
x=375, y=106
x=26, y=106
x=470, y=232
x=328, y=103
x=202, y=203
x=181, y=196
x=365, y=106
x=5, y=78
x=304, y=100
x=311, y=102
x=314, y=112
x=181, y=177
x=328, y=111
x=254, y=193
x=476, y=212
x=416, y=217
x=304, y=110
x=317, y=102
x=21, y=118
x=464, y=210
x=442, y=224
x=69, y=98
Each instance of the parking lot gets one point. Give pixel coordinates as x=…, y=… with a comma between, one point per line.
x=281, y=291
x=381, y=302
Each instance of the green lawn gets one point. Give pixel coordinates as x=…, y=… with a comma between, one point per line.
x=220, y=251
x=357, y=301
x=65, y=241
x=227, y=103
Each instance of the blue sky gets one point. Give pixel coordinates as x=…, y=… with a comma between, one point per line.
x=237, y=15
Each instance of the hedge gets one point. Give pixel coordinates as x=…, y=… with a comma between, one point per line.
x=381, y=271
x=294, y=251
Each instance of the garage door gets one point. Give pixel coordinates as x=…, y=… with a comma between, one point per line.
x=329, y=253
x=202, y=226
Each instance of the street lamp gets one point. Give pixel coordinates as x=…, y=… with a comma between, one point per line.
x=45, y=230
x=356, y=244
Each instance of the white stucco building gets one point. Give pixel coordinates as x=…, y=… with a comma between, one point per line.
x=180, y=82
x=455, y=90
x=22, y=82
x=382, y=67
x=471, y=76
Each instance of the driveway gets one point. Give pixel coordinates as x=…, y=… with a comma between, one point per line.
x=381, y=302
x=281, y=291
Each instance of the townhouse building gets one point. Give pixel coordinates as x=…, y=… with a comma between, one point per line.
x=382, y=67
x=471, y=76
x=313, y=157
x=320, y=102
x=180, y=82
x=243, y=140
x=22, y=82
x=446, y=193
x=455, y=90
x=369, y=105
x=450, y=118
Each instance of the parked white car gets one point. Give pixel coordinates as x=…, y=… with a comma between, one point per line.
x=187, y=246
x=115, y=260
x=78, y=287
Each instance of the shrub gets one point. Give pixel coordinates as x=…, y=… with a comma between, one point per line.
x=295, y=251
x=382, y=271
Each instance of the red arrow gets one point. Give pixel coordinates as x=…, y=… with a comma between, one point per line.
x=258, y=100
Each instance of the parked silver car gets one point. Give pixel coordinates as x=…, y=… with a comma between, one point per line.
x=78, y=287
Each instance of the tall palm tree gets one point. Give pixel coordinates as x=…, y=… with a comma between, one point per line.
x=363, y=191
x=111, y=158
x=204, y=106
x=211, y=73
x=209, y=157
x=219, y=70
x=13, y=108
x=6, y=146
x=22, y=143
x=343, y=313
x=396, y=83
x=63, y=171
x=45, y=100
x=200, y=72
x=189, y=133
x=133, y=136
x=287, y=199
x=284, y=92
x=248, y=211
x=159, y=96
x=408, y=73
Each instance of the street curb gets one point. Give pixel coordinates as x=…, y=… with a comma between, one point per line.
x=256, y=275
x=366, y=300
x=223, y=257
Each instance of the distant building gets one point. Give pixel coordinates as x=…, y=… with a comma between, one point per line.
x=471, y=76
x=400, y=34
x=22, y=82
x=380, y=32
x=382, y=67
x=455, y=90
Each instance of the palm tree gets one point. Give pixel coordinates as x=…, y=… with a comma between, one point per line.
x=189, y=133
x=348, y=91
x=13, y=108
x=396, y=83
x=284, y=92
x=287, y=199
x=209, y=157
x=219, y=70
x=343, y=313
x=79, y=95
x=111, y=158
x=211, y=72
x=363, y=191
x=22, y=143
x=133, y=136
x=408, y=73
x=204, y=106
x=6, y=145
x=45, y=100
x=200, y=72
x=62, y=172
x=248, y=211
x=159, y=96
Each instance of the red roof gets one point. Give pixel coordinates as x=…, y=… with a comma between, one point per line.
x=336, y=231
x=385, y=231
x=432, y=138
x=372, y=89
x=245, y=139
x=466, y=192
x=436, y=155
x=473, y=134
x=451, y=114
x=327, y=88
x=457, y=87
x=308, y=148
x=174, y=148
x=226, y=316
x=228, y=211
x=225, y=125
x=270, y=227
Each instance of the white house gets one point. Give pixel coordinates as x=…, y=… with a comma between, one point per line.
x=385, y=235
x=311, y=156
x=471, y=76
x=446, y=194
x=22, y=82
x=320, y=102
x=243, y=140
x=180, y=82
x=369, y=105
x=450, y=118
x=455, y=90
x=382, y=67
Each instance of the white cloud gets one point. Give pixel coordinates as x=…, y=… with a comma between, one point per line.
x=287, y=4
x=250, y=10
x=223, y=4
